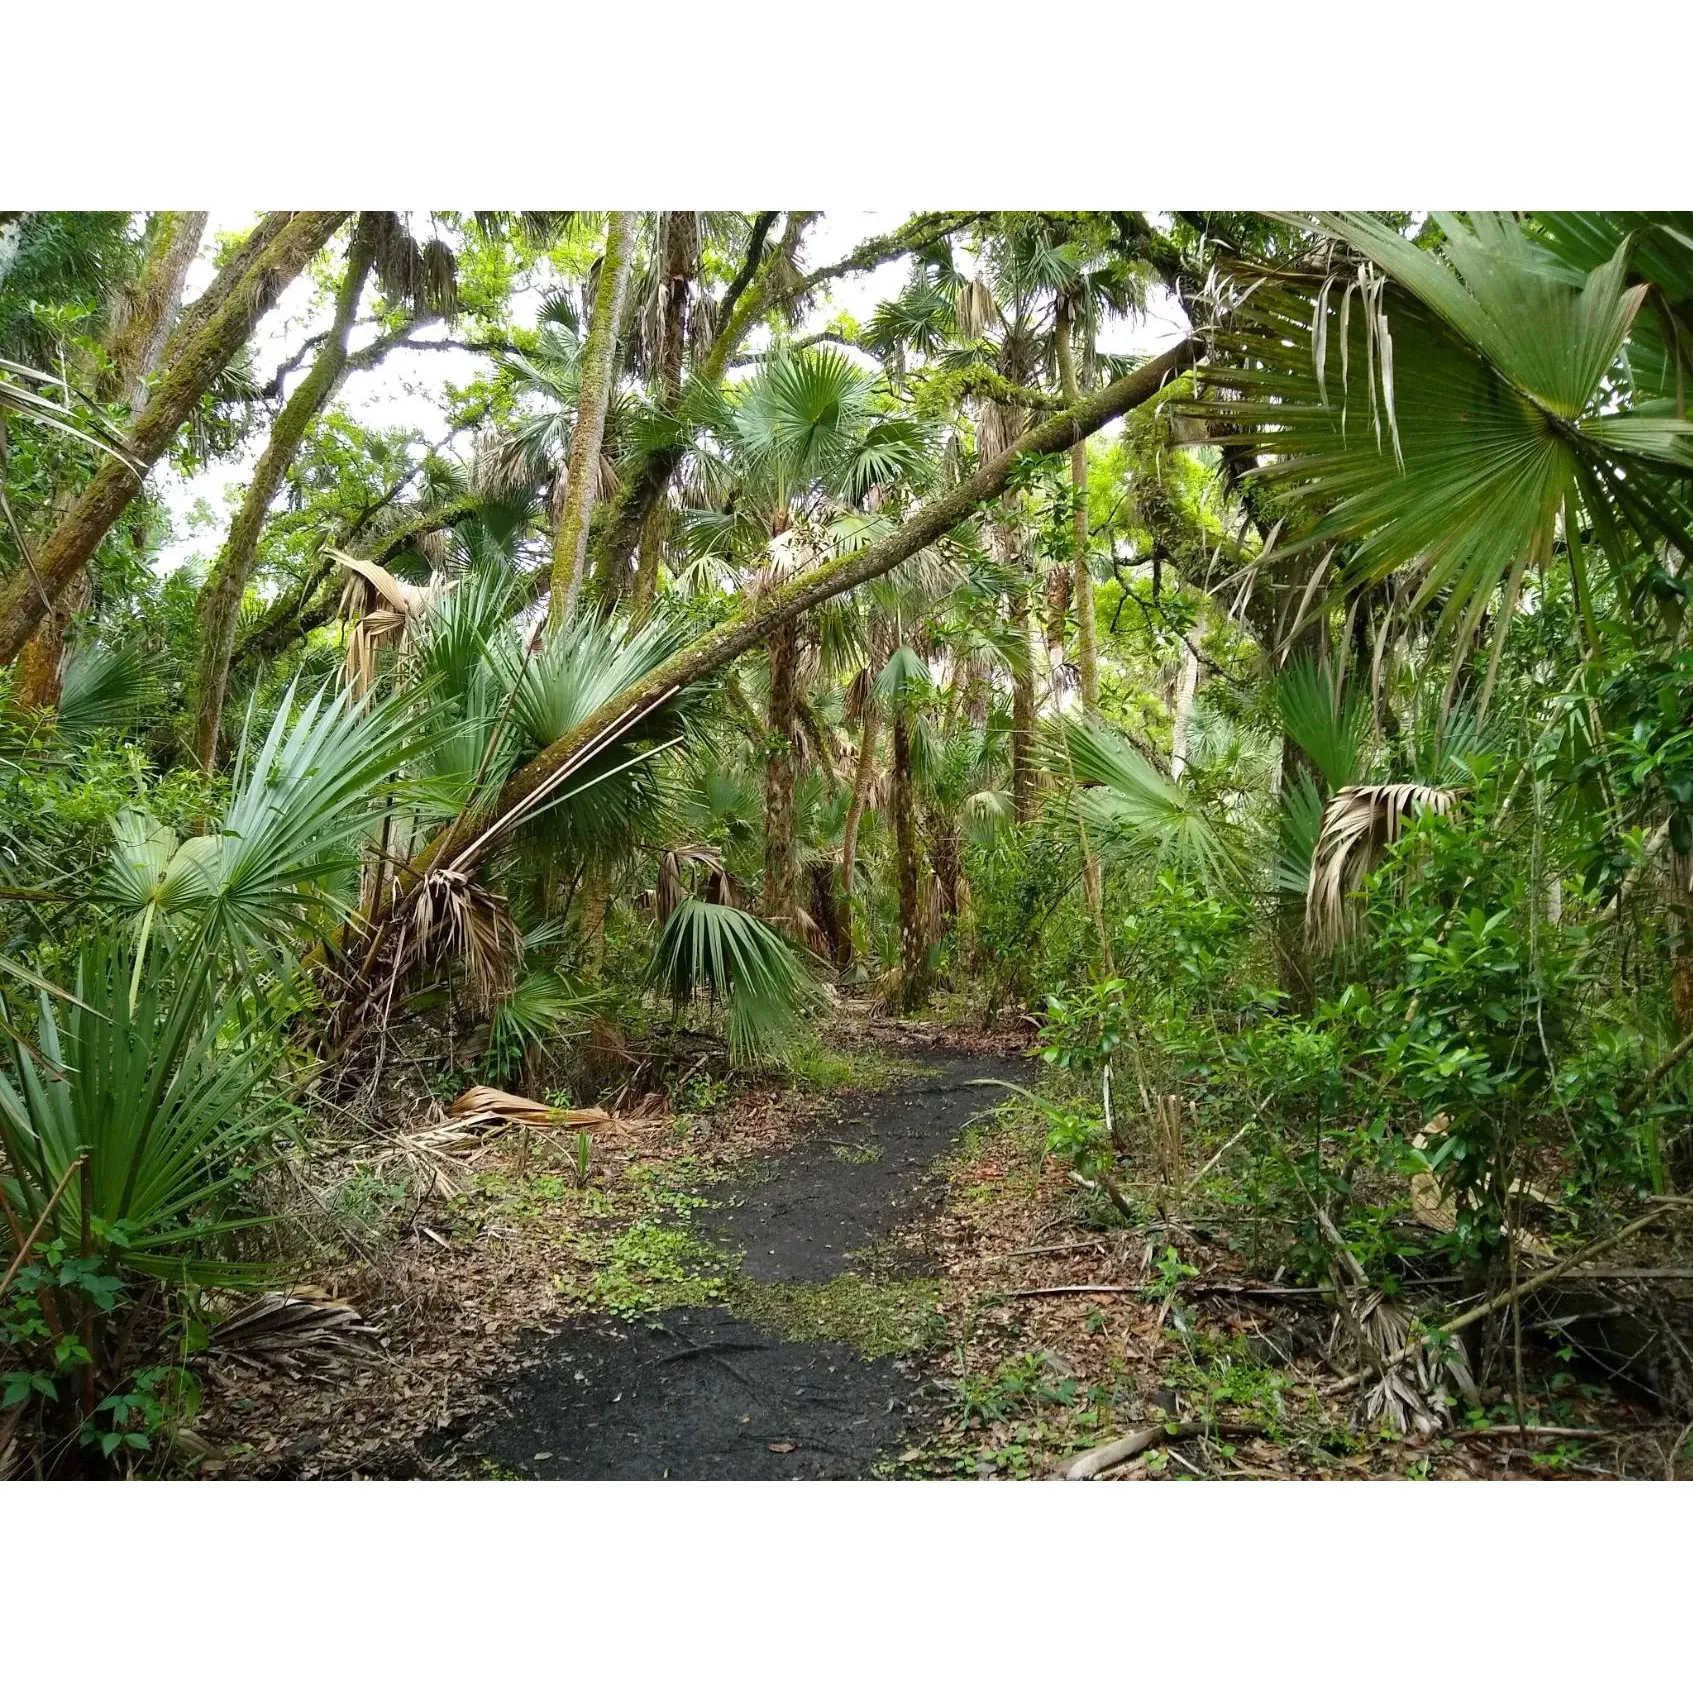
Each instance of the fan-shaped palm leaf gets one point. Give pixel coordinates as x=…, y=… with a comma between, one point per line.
x=1359, y=824
x=722, y=954
x=165, y=1090
x=1138, y=815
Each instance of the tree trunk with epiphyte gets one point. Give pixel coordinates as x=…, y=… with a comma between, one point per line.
x=599, y=368
x=135, y=336
x=200, y=347
x=138, y=340
x=220, y=599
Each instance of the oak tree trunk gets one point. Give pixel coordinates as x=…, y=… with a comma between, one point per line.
x=220, y=599
x=200, y=353
x=599, y=365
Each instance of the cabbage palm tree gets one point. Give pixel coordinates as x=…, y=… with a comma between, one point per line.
x=803, y=441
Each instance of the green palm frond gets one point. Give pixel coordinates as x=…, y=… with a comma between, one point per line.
x=165, y=1088
x=107, y=687
x=1137, y=815
x=718, y=953
x=1335, y=738
x=1299, y=821
x=904, y=682
x=1447, y=410
x=285, y=857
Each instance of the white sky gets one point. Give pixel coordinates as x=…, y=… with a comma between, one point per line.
x=408, y=389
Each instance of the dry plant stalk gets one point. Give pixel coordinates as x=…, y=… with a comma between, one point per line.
x=1167, y=1149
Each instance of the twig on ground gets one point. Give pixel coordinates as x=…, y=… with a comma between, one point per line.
x=1118, y=1452
x=1544, y=1430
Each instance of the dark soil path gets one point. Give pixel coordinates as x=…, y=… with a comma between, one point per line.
x=699, y=1393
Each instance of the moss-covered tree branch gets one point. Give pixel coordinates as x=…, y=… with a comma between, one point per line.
x=201, y=352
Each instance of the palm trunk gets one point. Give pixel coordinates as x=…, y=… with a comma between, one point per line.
x=1087, y=640
x=779, y=851
x=202, y=352
x=913, y=988
x=220, y=599
x=1022, y=692
x=679, y=250
x=871, y=724
x=599, y=362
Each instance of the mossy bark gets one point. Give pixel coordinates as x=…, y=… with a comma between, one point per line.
x=599, y=365
x=220, y=600
x=137, y=342
x=200, y=353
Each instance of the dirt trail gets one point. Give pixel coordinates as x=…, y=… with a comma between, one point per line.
x=700, y=1393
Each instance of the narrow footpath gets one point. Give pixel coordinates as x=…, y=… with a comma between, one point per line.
x=700, y=1392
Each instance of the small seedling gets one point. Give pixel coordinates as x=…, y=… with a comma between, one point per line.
x=581, y=1161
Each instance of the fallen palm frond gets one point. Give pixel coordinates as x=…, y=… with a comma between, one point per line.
x=1359, y=825
x=276, y=1328
x=485, y=1104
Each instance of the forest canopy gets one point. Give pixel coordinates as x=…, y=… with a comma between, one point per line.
x=588, y=659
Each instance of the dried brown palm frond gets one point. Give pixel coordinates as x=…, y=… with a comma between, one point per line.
x=1359, y=824
x=379, y=609
x=998, y=428
x=805, y=928
x=447, y=915
x=423, y=275
x=672, y=890
x=286, y=1328
x=975, y=309
x=485, y=1104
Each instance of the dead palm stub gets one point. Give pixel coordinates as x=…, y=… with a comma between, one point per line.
x=1359, y=824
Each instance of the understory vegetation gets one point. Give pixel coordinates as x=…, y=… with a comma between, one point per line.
x=1283, y=730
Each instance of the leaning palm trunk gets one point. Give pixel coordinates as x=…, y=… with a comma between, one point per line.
x=570, y=543
x=763, y=614
x=871, y=723
x=220, y=599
